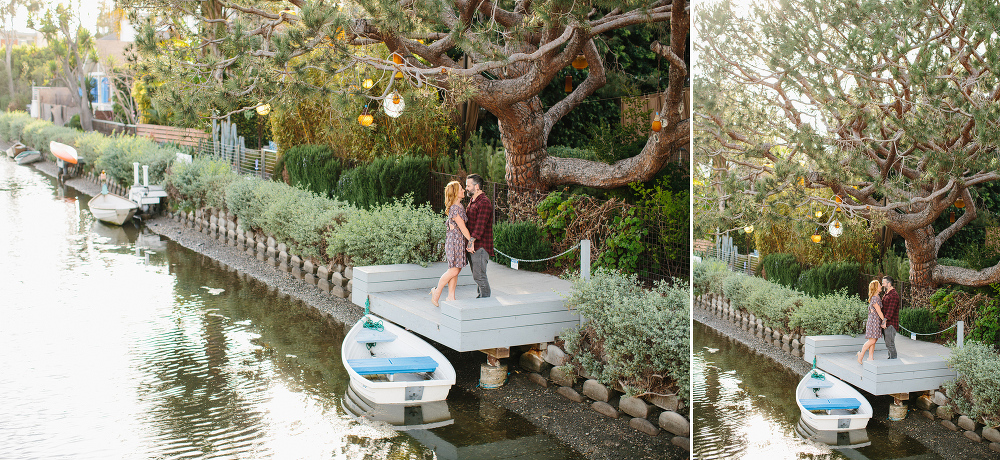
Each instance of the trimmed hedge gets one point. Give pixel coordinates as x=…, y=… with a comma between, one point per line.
x=521, y=239
x=312, y=167
x=385, y=180
x=781, y=268
x=829, y=278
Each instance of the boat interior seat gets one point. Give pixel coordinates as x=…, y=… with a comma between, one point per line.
x=816, y=383
x=373, y=336
x=830, y=404
x=371, y=366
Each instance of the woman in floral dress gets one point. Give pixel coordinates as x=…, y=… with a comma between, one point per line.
x=873, y=327
x=454, y=245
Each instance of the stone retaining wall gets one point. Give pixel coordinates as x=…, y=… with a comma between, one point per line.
x=934, y=405
x=226, y=228
x=718, y=305
x=652, y=415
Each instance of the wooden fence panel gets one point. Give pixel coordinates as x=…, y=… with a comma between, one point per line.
x=181, y=136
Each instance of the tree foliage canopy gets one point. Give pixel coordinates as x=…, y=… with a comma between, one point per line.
x=501, y=55
x=892, y=107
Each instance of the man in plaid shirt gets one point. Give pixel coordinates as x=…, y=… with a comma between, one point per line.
x=480, y=224
x=890, y=308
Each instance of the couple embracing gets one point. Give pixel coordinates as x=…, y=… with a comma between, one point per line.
x=883, y=313
x=469, y=237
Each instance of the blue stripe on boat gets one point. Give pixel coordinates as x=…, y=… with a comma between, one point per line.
x=370, y=366
x=830, y=404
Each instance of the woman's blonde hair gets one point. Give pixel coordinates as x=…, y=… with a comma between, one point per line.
x=451, y=192
x=873, y=289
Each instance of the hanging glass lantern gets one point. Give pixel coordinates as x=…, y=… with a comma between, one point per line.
x=838, y=199
x=657, y=125
x=393, y=105
x=580, y=62
x=368, y=83
x=397, y=58
x=398, y=75
x=819, y=214
x=836, y=229
x=951, y=217
x=263, y=109
x=748, y=228
x=817, y=238
x=366, y=119
x=959, y=203
x=569, y=84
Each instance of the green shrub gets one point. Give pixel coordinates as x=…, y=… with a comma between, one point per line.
x=520, y=239
x=394, y=233
x=976, y=390
x=836, y=313
x=633, y=335
x=199, y=184
x=312, y=167
x=487, y=160
x=953, y=262
x=13, y=125
x=384, y=180
x=38, y=133
x=773, y=304
x=74, y=122
x=780, y=268
x=625, y=245
x=829, y=278
x=249, y=197
x=919, y=320
x=301, y=219
x=118, y=152
x=708, y=275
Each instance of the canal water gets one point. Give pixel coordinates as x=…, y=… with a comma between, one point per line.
x=744, y=407
x=120, y=344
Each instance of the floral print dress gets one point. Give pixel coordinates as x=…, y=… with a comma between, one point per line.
x=873, y=327
x=454, y=244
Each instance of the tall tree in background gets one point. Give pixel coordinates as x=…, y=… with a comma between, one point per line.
x=892, y=106
x=259, y=51
x=74, y=49
x=9, y=10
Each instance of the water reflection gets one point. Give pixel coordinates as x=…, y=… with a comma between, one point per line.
x=744, y=407
x=121, y=344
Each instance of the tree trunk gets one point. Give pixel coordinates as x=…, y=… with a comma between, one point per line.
x=10, y=73
x=922, y=252
x=522, y=131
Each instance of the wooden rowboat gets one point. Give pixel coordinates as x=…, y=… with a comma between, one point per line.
x=399, y=417
x=16, y=149
x=829, y=404
x=112, y=208
x=389, y=365
x=64, y=152
x=28, y=156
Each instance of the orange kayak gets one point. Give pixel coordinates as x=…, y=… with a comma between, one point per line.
x=64, y=152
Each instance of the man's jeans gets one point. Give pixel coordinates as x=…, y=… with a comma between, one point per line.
x=478, y=261
x=890, y=341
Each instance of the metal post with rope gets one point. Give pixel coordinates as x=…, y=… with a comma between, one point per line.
x=584, y=246
x=960, y=325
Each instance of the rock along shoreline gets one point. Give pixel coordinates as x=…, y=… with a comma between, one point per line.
x=573, y=423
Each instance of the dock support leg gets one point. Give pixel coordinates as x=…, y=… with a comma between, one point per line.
x=492, y=374
x=897, y=410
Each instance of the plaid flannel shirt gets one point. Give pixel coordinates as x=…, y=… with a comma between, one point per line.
x=480, y=224
x=890, y=308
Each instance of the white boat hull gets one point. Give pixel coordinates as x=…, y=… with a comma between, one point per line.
x=112, y=208
x=850, y=439
x=15, y=149
x=402, y=388
x=400, y=417
x=28, y=156
x=835, y=419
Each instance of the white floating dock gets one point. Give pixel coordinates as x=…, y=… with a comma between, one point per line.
x=524, y=307
x=920, y=366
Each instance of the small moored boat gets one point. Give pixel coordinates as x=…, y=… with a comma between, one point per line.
x=28, y=156
x=400, y=417
x=829, y=404
x=850, y=439
x=389, y=365
x=64, y=152
x=111, y=208
x=15, y=149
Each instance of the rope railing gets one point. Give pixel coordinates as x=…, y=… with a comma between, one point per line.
x=960, y=325
x=583, y=245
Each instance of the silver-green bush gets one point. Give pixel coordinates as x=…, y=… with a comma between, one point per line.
x=976, y=390
x=636, y=337
x=301, y=218
x=393, y=233
x=837, y=313
x=707, y=276
x=198, y=184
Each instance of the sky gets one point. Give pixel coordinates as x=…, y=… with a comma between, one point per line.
x=87, y=11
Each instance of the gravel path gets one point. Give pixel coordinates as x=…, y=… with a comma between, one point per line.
x=573, y=424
